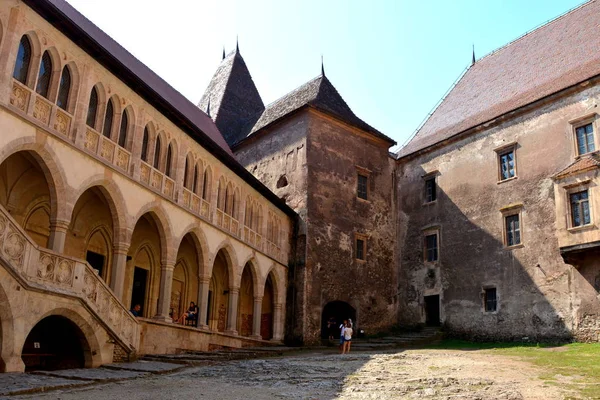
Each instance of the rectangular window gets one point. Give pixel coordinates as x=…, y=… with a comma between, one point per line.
x=361, y=190
x=580, y=209
x=431, y=247
x=513, y=230
x=490, y=300
x=507, y=164
x=360, y=249
x=430, y=190
x=585, y=138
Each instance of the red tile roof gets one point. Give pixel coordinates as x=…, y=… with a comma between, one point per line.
x=585, y=163
x=555, y=56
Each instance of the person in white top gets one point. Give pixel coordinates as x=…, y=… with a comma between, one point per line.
x=347, y=339
x=342, y=328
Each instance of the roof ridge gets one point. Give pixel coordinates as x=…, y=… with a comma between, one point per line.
x=537, y=28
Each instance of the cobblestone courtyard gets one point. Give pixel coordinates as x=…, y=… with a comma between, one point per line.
x=423, y=374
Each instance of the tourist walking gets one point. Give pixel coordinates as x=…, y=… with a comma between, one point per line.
x=347, y=339
x=342, y=328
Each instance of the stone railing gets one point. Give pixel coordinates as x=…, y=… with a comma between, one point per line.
x=196, y=204
x=228, y=223
x=253, y=238
x=274, y=251
x=47, y=113
x=157, y=180
x=66, y=275
x=107, y=149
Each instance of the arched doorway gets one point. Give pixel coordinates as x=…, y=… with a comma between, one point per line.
x=246, y=303
x=266, y=320
x=185, y=277
x=90, y=234
x=142, y=276
x=218, y=295
x=25, y=193
x=54, y=343
x=339, y=310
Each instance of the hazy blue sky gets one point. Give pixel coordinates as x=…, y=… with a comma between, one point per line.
x=391, y=60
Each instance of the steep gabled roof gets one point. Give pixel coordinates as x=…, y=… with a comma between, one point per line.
x=320, y=94
x=231, y=98
x=551, y=58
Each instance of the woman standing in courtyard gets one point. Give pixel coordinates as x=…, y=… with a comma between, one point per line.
x=347, y=339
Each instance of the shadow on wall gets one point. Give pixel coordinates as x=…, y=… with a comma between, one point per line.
x=486, y=290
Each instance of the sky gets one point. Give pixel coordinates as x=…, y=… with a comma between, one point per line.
x=391, y=60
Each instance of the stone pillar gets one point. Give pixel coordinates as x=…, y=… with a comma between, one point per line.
x=203, y=285
x=119, y=266
x=13, y=364
x=277, y=322
x=257, y=318
x=232, y=311
x=58, y=235
x=164, y=296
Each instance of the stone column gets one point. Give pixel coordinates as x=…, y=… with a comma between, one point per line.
x=257, y=318
x=119, y=266
x=277, y=322
x=203, y=285
x=232, y=311
x=58, y=235
x=164, y=296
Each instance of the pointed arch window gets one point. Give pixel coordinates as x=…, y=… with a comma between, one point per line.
x=123, y=129
x=205, y=187
x=92, y=109
x=168, y=165
x=43, y=83
x=64, y=88
x=195, y=186
x=186, y=174
x=108, y=119
x=157, y=153
x=21, y=70
x=145, y=145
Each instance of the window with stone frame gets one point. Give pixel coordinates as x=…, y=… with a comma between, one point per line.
x=506, y=164
x=490, y=299
x=512, y=229
x=360, y=247
x=431, y=247
x=362, y=185
x=430, y=190
x=580, y=208
x=584, y=135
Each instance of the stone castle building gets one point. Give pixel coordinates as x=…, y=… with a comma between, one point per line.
x=116, y=191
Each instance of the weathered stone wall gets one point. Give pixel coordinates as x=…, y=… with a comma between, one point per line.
x=278, y=158
x=539, y=296
x=336, y=214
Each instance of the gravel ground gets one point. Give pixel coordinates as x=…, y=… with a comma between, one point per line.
x=409, y=374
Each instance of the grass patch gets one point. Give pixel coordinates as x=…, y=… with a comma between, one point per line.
x=578, y=364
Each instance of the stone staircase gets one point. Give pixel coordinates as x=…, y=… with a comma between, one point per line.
x=43, y=270
x=425, y=336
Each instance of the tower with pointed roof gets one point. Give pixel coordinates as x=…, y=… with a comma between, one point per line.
x=311, y=149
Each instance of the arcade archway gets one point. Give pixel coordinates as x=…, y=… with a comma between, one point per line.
x=340, y=311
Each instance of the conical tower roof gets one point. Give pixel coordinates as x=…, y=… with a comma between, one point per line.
x=231, y=98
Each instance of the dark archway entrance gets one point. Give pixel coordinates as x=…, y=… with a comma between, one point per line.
x=339, y=310
x=54, y=343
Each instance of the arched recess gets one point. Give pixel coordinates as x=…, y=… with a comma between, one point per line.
x=221, y=194
x=338, y=310
x=246, y=300
x=147, y=139
x=267, y=309
x=28, y=192
x=111, y=118
x=218, y=295
x=159, y=149
x=92, y=230
x=142, y=275
x=185, y=277
x=96, y=106
x=207, y=183
x=189, y=176
x=171, y=160
x=66, y=340
x=48, y=74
